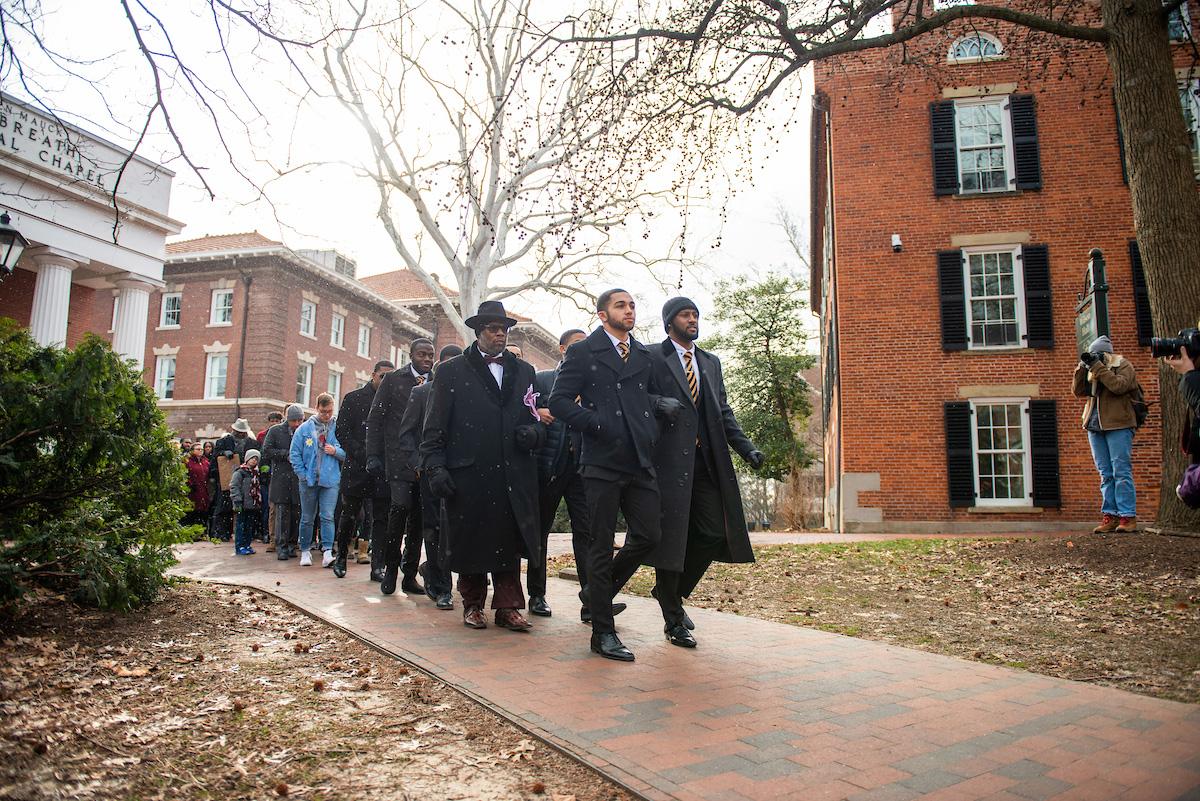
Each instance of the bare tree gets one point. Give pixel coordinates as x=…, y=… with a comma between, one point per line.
x=701, y=56
x=492, y=154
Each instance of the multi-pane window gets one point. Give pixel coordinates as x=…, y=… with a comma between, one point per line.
x=337, y=331
x=172, y=310
x=1002, y=476
x=222, y=307
x=976, y=47
x=334, y=387
x=303, y=383
x=1179, y=23
x=1189, y=96
x=308, y=318
x=995, y=317
x=164, y=377
x=214, y=375
x=364, y=341
x=984, y=141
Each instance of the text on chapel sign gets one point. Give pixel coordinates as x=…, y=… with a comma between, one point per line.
x=37, y=139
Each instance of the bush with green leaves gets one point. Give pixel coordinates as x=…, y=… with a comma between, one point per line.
x=92, y=484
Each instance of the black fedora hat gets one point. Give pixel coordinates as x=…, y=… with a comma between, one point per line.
x=489, y=311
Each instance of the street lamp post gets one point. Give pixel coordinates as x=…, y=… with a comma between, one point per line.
x=12, y=245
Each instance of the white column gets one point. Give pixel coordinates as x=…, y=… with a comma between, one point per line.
x=51, y=297
x=129, y=330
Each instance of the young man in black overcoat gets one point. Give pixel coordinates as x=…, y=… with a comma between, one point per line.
x=702, y=517
x=605, y=390
x=480, y=436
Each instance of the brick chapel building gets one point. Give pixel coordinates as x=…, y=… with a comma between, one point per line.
x=948, y=355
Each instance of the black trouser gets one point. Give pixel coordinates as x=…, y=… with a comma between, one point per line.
x=569, y=486
x=403, y=528
x=375, y=515
x=287, y=525
x=636, y=496
x=438, y=579
x=705, y=541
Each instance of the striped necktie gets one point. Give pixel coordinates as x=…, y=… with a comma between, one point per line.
x=693, y=387
x=420, y=380
x=623, y=349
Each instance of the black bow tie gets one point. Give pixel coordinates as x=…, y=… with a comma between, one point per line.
x=493, y=360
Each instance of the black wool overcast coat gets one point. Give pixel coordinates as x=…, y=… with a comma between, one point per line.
x=383, y=423
x=675, y=457
x=491, y=521
x=352, y=434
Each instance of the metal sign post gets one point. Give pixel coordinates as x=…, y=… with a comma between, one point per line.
x=1091, y=312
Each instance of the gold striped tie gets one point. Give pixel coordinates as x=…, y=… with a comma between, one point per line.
x=693, y=387
x=420, y=380
x=623, y=349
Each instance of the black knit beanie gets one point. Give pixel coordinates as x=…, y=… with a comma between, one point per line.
x=673, y=307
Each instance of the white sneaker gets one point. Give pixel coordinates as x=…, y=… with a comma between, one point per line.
x=328, y=560
x=305, y=559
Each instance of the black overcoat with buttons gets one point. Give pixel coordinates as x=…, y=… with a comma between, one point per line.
x=352, y=436
x=491, y=521
x=615, y=412
x=383, y=424
x=713, y=424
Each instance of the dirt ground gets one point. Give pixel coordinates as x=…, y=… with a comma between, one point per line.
x=219, y=692
x=1120, y=610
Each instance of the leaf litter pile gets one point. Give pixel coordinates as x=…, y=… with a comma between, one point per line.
x=1121, y=610
x=218, y=692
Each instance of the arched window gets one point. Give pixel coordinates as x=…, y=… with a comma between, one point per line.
x=977, y=46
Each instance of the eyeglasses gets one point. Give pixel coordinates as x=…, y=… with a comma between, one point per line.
x=495, y=328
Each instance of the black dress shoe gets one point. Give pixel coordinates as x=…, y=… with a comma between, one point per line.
x=377, y=574
x=429, y=593
x=339, y=565
x=687, y=622
x=585, y=615
x=679, y=635
x=444, y=601
x=388, y=585
x=412, y=586
x=609, y=646
x=539, y=607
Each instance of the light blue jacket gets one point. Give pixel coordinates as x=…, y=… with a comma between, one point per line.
x=313, y=466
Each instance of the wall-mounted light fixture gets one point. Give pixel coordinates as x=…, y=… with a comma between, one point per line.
x=896, y=244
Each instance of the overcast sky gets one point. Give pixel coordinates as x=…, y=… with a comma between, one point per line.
x=329, y=207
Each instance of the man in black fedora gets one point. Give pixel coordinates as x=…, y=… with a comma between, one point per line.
x=478, y=455
x=702, y=517
x=605, y=390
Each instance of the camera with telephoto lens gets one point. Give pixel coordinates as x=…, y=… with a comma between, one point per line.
x=1188, y=339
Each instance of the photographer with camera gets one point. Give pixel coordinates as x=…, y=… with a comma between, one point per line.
x=1182, y=354
x=1109, y=383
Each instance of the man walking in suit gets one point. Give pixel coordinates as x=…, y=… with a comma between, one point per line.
x=386, y=461
x=702, y=517
x=605, y=390
x=480, y=436
x=357, y=484
x=558, y=477
x=437, y=578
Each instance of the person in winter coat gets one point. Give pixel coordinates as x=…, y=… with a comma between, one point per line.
x=245, y=492
x=285, y=500
x=1109, y=382
x=197, y=482
x=317, y=458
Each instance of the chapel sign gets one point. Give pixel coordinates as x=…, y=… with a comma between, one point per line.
x=36, y=138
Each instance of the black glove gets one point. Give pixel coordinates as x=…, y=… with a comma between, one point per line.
x=228, y=454
x=440, y=483
x=527, y=437
x=375, y=466
x=668, y=409
x=755, y=459
x=1089, y=358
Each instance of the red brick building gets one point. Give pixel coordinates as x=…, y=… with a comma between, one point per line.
x=948, y=359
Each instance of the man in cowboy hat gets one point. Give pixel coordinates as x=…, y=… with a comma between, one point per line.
x=478, y=454
x=232, y=447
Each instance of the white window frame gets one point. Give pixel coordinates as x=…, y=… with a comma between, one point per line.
x=1018, y=289
x=304, y=369
x=334, y=385
x=162, y=378
x=308, y=319
x=981, y=36
x=214, y=308
x=364, y=342
x=1189, y=98
x=938, y=5
x=1010, y=182
x=1185, y=19
x=337, y=331
x=210, y=375
x=1026, y=452
x=178, y=310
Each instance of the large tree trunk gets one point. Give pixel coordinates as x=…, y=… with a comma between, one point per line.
x=1166, y=206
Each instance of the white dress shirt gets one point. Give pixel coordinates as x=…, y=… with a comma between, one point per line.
x=497, y=370
x=416, y=374
x=614, y=341
x=679, y=351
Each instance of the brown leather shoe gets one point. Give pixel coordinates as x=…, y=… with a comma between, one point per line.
x=473, y=618
x=1128, y=525
x=1107, y=525
x=512, y=619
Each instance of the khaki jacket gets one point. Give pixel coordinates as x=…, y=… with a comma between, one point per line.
x=1113, y=384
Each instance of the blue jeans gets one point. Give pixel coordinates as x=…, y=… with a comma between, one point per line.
x=1112, y=452
x=244, y=528
x=313, y=501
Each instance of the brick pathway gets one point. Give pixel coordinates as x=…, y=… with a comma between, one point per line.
x=763, y=710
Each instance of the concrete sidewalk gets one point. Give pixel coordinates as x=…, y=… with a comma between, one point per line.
x=763, y=710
